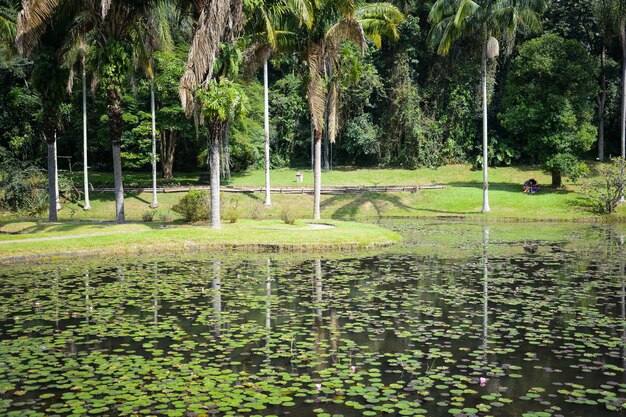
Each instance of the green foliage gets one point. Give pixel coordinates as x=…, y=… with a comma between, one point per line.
x=194, y=206
x=549, y=102
x=605, y=194
x=288, y=109
x=361, y=139
x=224, y=100
x=22, y=187
x=288, y=213
x=137, y=139
x=231, y=209
x=246, y=133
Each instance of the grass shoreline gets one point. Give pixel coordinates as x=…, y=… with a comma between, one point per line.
x=76, y=239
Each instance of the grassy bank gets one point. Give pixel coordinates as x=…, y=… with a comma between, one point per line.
x=72, y=238
x=461, y=196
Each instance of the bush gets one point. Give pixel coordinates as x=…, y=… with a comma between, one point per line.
x=36, y=205
x=288, y=214
x=257, y=210
x=194, y=206
x=148, y=216
x=231, y=211
x=22, y=185
x=605, y=196
x=166, y=217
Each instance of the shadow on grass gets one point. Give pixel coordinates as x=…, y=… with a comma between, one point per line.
x=510, y=187
x=351, y=204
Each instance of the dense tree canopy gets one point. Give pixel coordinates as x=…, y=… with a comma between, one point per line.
x=395, y=103
x=548, y=106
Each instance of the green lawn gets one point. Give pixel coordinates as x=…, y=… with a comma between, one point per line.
x=73, y=237
x=461, y=197
x=285, y=177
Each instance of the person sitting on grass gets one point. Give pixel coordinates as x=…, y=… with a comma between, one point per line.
x=530, y=186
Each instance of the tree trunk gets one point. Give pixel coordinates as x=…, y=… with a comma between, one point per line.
x=266, y=132
x=87, y=205
x=167, y=147
x=317, y=174
x=155, y=202
x=486, y=208
x=622, y=36
x=225, y=155
x=557, y=181
x=52, y=185
x=114, y=110
x=326, y=152
x=623, y=125
x=56, y=175
x=312, y=145
x=215, y=138
x=601, y=104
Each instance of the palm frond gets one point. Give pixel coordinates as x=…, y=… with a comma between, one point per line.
x=204, y=49
x=378, y=20
x=254, y=58
x=32, y=23
x=347, y=29
x=467, y=10
x=441, y=9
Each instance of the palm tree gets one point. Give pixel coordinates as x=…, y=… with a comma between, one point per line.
x=218, y=22
x=272, y=26
x=603, y=14
x=113, y=25
x=40, y=35
x=157, y=35
x=78, y=51
x=8, y=27
x=620, y=13
x=485, y=19
x=353, y=23
x=220, y=102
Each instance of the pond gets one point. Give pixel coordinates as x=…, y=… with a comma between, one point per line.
x=461, y=320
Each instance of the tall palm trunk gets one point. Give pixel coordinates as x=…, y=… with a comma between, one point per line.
x=266, y=132
x=52, y=184
x=312, y=146
x=601, y=104
x=622, y=37
x=57, y=200
x=317, y=174
x=623, y=126
x=155, y=203
x=216, y=133
x=87, y=205
x=114, y=110
x=486, y=208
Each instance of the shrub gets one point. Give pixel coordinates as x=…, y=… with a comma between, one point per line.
x=36, y=205
x=606, y=195
x=257, y=210
x=166, y=217
x=231, y=211
x=194, y=206
x=288, y=214
x=148, y=216
x=23, y=186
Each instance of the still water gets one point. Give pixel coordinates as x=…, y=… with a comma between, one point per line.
x=459, y=320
